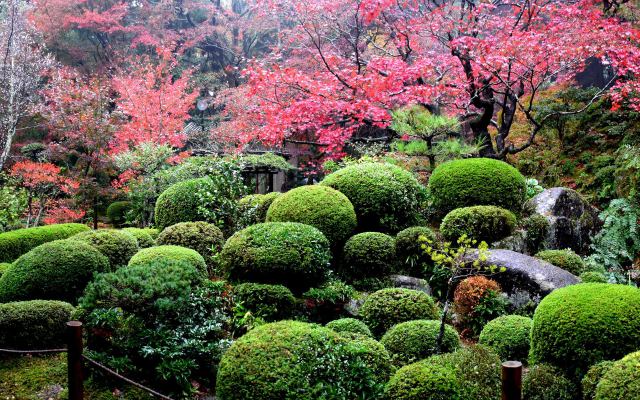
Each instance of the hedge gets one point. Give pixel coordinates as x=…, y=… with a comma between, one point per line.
x=117, y=246
x=349, y=325
x=621, y=379
x=287, y=253
x=146, y=256
x=590, y=381
x=423, y=380
x=481, y=223
x=387, y=307
x=412, y=341
x=509, y=336
x=578, y=326
x=320, y=206
x=203, y=237
x=369, y=254
x=269, y=302
x=58, y=270
x=13, y=244
x=4, y=267
x=474, y=182
x=35, y=324
x=253, y=208
x=179, y=203
x=545, y=382
x=297, y=360
x=116, y=212
x=409, y=251
x=566, y=259
x=385, y=197
x=143, y=237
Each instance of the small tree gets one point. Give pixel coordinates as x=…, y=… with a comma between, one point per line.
x=462, y=261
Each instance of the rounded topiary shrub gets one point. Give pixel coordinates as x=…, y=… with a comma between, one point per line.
x=270, y=302
x=350, y=325
x=203, y=237
x=253, y=208
x=146, y=256
x=320, y=206
x=385, y=197
x=34, y=324
x=412, y=341
x=470, y=292
x=409, y=252
x=4, y=267
x=117, y=212
x=577, y=326
x=387, y=307
x=474, y=182
x=117, y=246
x=296, y=360
x=423, y=380
x=593, y=277
x=590, y=381
x=566, y=259
x=142, y=236
x=179, y=203
x=508, y=336
x=369, y=254
x=545, y=382
x=13, y=244
x=153, y=232
x=288, y=253
x=57, y=270
x=621, y=380
x=481, y=223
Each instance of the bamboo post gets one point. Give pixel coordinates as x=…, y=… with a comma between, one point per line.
x=74, y=360
x=511, y=380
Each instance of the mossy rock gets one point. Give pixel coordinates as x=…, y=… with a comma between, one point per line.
x=566, y=259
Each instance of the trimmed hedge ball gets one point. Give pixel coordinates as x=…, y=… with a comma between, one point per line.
x=270, y=302
x=13, y=244
x=117, y=212
x=57, y=270
x=4, y=267
x=146, y=256
x=350, y=325
x=423, y=380
x=409, y=249
x=593, y=277
x=621, y=380
x=203, y=237
x=142, y=236
x=412, y=341
x=254, y=207
x=369, y=254
x=566, y=259
x=387, y=307
x=482, y=223
x=592, y=378
x=287, y=253
x=153, y=232
x=320, y=206
x=297, y=360
x=117, y=246
x=578, y=326
x=545, y=382
x=34, y=324
x=508, y=336
x=477, y=182
x=386, y=198
x=179, y=203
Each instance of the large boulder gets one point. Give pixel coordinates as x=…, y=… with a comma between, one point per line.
x=572, y=221
x=527, y=273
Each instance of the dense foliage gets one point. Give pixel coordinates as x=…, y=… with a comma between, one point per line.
x=411, y=341
x=269, y=302
x=409, y=252
x=34, y=324
x=253, y=208
x=176, y=253
x=16, y=243
x=350, y=325
x=200, y=236
x=481, y=223
x=591, y=379
x=508, y=336
x=621, y=380
x=544, y=382
x=368, y=254
x=117, y=246
x=566, y=259
x=117, y=212
x=143, y=237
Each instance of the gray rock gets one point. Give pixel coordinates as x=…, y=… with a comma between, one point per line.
x=409, y=282
x=572, y=221
x=527, y=273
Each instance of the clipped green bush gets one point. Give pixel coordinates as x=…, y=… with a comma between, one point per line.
x=350, y=325
x=4, y=267
x=117, y=212
x=253, y=208
x=409, y=252
x=146, y=256
x=566, y=259
x=320, y=206
x=482, y=223
x=35, y=324
x=369, y=254
x=288, y=253
x=412, y=341
x=593, y=277
x=269, y=302
x=179, y=203
x=621, y=379
x=117, y=246
x=296, y=360
x=13, y=244
x=142, y=236
x=387, y=307
x=578, y=326
x=545, y=382
x=508, y=336
x=423, y=380
x=200, y=236
x=385, y=197
x=592, y=378
x=57, y=270
x=477, y=182
x=153, y=232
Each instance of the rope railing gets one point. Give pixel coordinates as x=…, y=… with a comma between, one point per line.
x=46, y=351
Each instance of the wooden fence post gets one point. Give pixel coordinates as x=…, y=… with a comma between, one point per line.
x=74, y=360
x=511, y=380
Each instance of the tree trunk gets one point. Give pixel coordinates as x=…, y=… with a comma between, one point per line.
x=443, y=319
x=95, y=212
